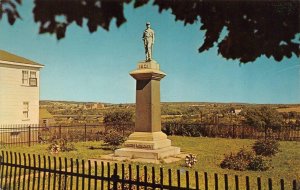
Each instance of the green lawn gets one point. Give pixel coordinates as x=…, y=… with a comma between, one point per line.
x=209, y=151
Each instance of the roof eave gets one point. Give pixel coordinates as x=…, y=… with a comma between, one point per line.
x=22, y=64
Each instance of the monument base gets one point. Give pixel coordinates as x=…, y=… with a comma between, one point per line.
x=150, y=145
x=148, y=154
x=148, y=140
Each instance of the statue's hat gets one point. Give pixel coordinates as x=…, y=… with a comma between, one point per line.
x=147, y=23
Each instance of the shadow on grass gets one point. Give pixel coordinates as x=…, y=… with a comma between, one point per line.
x=102, y=147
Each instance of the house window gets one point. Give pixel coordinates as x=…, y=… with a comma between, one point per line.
x=32, y=79
x=45, y=122
x=32, y=74
x=29, y=78
x=25, y=77
x=25, y=110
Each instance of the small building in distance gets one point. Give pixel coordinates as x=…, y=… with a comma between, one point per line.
x=237, y=111
x=92, y=106
x=98, y=106
x=46, y=118
x=20, y=90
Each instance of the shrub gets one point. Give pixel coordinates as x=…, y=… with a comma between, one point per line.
x=263, y=117
x=183, y=128
x=114, y=139
x=239, y=161
x=118, y=117
x=266, y=147
x=120, y=120
x=258, y=164
x=244, y=160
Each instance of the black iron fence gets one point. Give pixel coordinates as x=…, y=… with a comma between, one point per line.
x=286, y=133
x=22, y=171
x=30, y=134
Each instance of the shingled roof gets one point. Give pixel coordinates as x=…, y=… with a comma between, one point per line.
x=44, y=114
x=6, y=56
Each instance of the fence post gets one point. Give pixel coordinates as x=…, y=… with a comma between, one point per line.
x=115, y=178
x=270, y=184
x=294, y=185
x=178, y=179
x=161, y=173
x=226, y=181
x=1, y=166
x=236, y=179
x=206, y=180
x=153, y=178
x=187, y=179
x=145, y=178
x=247, y=183
x=29, y=135
x=197, y=180
x=281, y=184
x=137, y=176
x=258, y=183
x=216, y=182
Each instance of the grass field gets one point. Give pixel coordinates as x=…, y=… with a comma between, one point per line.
x=290, y=109
x=209, y=151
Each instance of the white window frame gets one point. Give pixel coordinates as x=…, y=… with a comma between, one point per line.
x=32, y=74
x=29, y=78
x=26, y=110
x=25, y=77
x=33, y=79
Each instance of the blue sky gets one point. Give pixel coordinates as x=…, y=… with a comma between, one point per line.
x=95, y=67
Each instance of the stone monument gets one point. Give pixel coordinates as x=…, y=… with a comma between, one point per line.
x=148, y=141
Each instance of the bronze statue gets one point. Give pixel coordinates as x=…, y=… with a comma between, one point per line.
x=148, y=38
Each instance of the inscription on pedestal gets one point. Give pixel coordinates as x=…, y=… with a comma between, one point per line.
x=144, y=66
x=148, y=65
x=141, y=146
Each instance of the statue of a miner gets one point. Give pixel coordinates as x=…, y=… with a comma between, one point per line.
x=148, y=38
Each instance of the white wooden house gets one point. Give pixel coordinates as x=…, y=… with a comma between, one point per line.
x=19, y=90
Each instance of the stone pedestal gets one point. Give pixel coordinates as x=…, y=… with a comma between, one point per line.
x=148, y=141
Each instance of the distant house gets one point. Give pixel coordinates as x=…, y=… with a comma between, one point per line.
x=46, y=118
x=98, y=106
x=87, y=106
x=19, y=90
x=237, y=111
x=93, y=106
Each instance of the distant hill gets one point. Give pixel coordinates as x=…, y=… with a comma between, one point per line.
x=73, y=112
x=46, y=102
x=279, y=107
